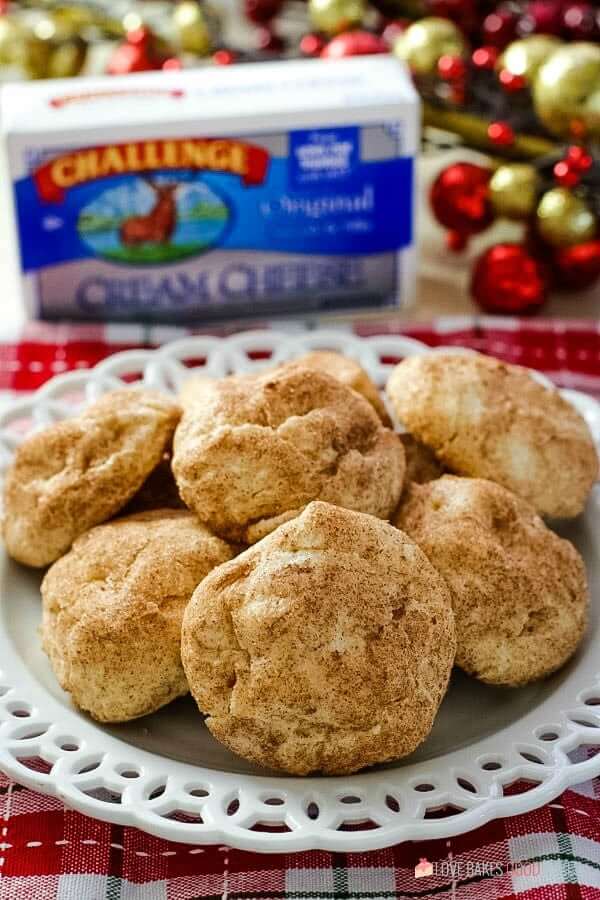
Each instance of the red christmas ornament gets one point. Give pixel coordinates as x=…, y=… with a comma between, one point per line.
x=268, y=40
x=578, y=267
x=224, y=57
x=393, y=30
x=511, y=82
x=578, y=158
x=456, y=241
x=173, y=64
x=579, y=21
x=459, y=199
x=501, y=133
x=485, y=57
x=3, y=7
x=500, y=27
x=565, y=174
x=262, y=11
x=311, y=45
x=507, y=279
x=541, y=17
x=451, y=68
x=354, y=43
x=463, y=12
x=136, y=54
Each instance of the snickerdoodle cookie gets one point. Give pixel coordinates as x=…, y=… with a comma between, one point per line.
x=326, y=647
x=487, y=419
x=251, y=451
x=112, y=611
x=519, y=591
x=350, y=373
x=82, y=471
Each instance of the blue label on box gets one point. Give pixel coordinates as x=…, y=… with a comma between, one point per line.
x=323, y=156
x=132, y=230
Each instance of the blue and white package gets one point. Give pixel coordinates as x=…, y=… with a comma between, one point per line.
x=222, y=192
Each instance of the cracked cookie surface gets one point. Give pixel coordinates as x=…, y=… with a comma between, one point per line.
x=518, y=590
x=251, y=451
x=82, y=471
x=325, y=647
x=112, y=611
x=350, y=373
x=487, y=419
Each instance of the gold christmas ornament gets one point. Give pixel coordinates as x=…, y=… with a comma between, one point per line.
x=12, y=35
x=566, y=92
x=335, y=16
x=35, y=56
x=52, y=48
x=563, y=218
x=195, y=26
x=74, y=18
x=67, y=59
x=513, y=190
x=426, y=41
x=525, y=57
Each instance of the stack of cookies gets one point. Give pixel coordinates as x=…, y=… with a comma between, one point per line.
x=271, y=544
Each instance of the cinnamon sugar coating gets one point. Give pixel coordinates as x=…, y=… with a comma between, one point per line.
x=326, y=647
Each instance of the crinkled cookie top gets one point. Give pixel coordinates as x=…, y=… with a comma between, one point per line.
x=325, y=647
x=251, y=451
x=487, y=419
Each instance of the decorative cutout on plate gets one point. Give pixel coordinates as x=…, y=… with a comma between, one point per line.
x=104, y=777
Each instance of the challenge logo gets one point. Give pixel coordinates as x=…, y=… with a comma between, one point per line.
x=58, y=175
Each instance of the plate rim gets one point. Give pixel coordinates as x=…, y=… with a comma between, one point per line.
x=161, y=366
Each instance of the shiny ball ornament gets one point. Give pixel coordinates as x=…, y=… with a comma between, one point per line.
x=463, y=12
x=11, y=35
x=67, y=59
x=262, y=11
x=425, y=42
x=172, y=64
x=268, y=40
x=393, y=30
x=510, y=82
x=312, y=44
x=135, y=54
x=508, y=280
x=563, y=219
x=565, y=175
x=525, y=57
x=196, y=27
x=34, y=57
x=54, y=48
x=335, y=16
x=578, y=267
x=566, y=91
x=500, y=27
x=485, y=57
x=501, y=134
x=459, y=198
x=513, y=190
x=579, y=21
x=579, y=159
x=541, y=17
x=224, y=57
x=354, y=43
x=452, y=68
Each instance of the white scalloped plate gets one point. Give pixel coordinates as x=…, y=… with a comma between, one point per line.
x=168, y=776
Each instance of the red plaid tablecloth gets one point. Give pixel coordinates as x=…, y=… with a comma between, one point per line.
x=50, y=853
